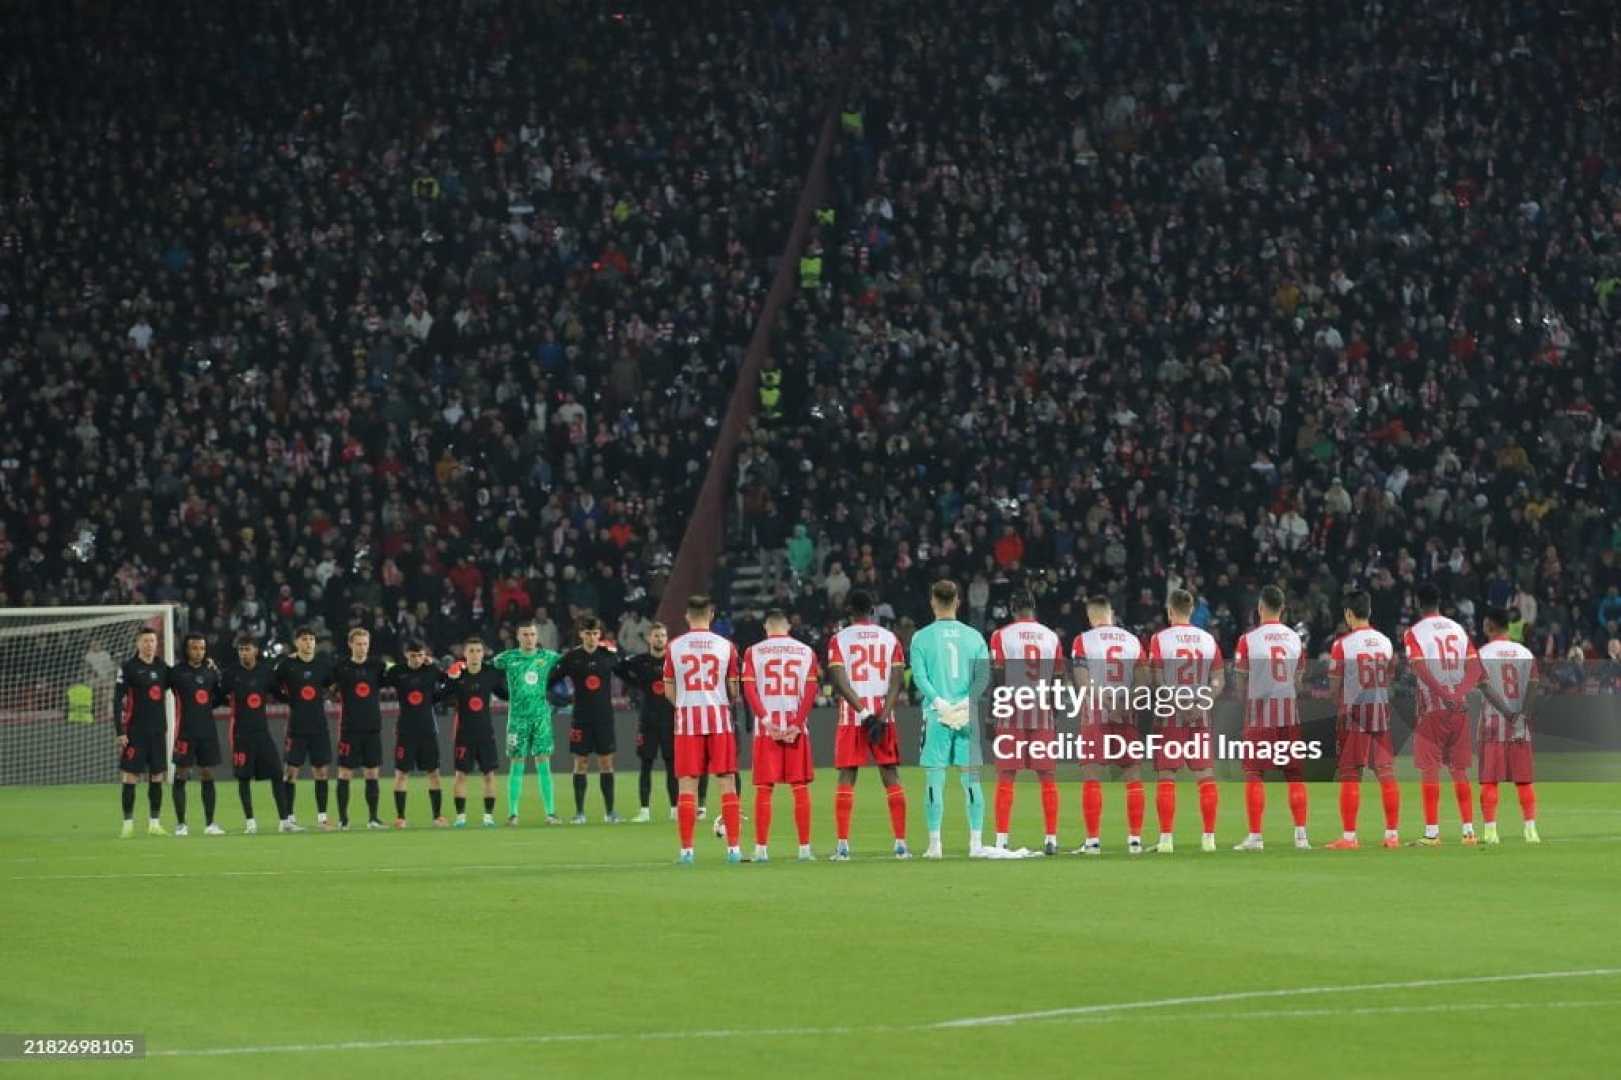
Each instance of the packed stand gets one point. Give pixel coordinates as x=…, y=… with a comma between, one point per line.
x=1109, y=298
x=415, y=316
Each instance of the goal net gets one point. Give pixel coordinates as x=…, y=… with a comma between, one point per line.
x=57, y=669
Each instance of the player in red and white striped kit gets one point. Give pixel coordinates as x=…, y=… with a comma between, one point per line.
x=701, y=681
x=1267, y=663
x=867, y=669
x=779, y=685
x=1361, y=665
x=1183, y=655
x=1104, y=659
x=1448, y=667
x=1024, y=656
x=1505, y=738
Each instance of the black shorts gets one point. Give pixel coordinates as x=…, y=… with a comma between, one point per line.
x=145, y=753
x=316, y=748
x=477, y=754
x=360, y=749
x=202, y=751
x=416, y=750
x=254, y=757
x=588, y=736
x=656, y=738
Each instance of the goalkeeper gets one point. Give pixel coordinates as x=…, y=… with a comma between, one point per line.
x=529, y=718
x=951, y=667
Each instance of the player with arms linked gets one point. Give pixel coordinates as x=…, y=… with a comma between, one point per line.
x=655, y=730
x=359, y=679
x=529, y=718
x=196, y=685
x=474, y=689
x=590, y=667
x=248, y=687
x=417, y=683
x=701, y=682
x=303, y=681
x=141, y=719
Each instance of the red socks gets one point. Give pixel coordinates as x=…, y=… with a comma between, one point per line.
x=1209, y=800
x=1297, y=803
x=844, y=800
x=1390, y=792
x=1528, y=800
x=762, y=814
x=802, y=812
x=1431, y=790
x=1165, y=803
x=1092, y=807
x=1004, y=803
x=1350, y=804
x=1134, y=808
x=1466, y=801
x=1255, y=803
x=731, y=813
x=1488, y=803
x=1049, y=805
x=897, y=811
x=686, y=815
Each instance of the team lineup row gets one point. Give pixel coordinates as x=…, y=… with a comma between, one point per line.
x=691, y=685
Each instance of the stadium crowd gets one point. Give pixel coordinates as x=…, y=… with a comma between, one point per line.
x=1108, y=298
x=419, y=317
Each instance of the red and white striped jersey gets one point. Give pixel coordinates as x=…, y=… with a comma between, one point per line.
x=1110, y=657
x=868, y=653
x=1029, y=655
x=1185, y=655
x=1270, y=656
x=1509, y=667
x=698, y=664
x=1440, y=651
x=1365, y=659
x=779, y=679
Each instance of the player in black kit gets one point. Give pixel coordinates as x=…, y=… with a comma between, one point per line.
x=249, y=686
x=417, y=683
x=359, y=679
x=303, y=681
x=590, y=667
x=474, y=689
x=143, y=729
x=655, y=731
x=196, y=685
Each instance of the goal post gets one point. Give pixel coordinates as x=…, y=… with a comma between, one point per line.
x=57, y=670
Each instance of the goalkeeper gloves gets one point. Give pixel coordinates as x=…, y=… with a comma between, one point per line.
x=954, y=716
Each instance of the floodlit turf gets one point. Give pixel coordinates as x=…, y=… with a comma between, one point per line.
x=573, y=951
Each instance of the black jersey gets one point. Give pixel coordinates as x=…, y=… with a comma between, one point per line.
x=360, y=688
x=644, y=674
x=249, y=692
x=198, y=690
x=591, y=673
x=303, y=685
x=474, y=695
x=138, y=696
x=417, y=689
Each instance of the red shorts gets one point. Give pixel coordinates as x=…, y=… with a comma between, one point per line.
x=1281, y=755
x=1175, y=740
x=851, y=749
x=1441, y=740
x=1096, y=745
x=1509, y=761
x=696, y=755
x=1008, y=756
x=1360, y=750
x=783, y=763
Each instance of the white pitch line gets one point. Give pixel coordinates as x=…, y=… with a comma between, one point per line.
x=1083, y=1014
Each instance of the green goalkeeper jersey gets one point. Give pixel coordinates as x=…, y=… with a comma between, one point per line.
x=528, y=674
x=950, y=661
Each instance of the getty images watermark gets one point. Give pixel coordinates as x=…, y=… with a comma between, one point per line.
x=1105, y=726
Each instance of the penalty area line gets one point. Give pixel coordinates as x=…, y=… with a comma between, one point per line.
x=1101, y=1013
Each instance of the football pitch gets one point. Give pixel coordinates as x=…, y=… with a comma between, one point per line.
x=574, y=951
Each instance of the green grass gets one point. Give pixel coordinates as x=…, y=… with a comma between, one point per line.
x=588, y=952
